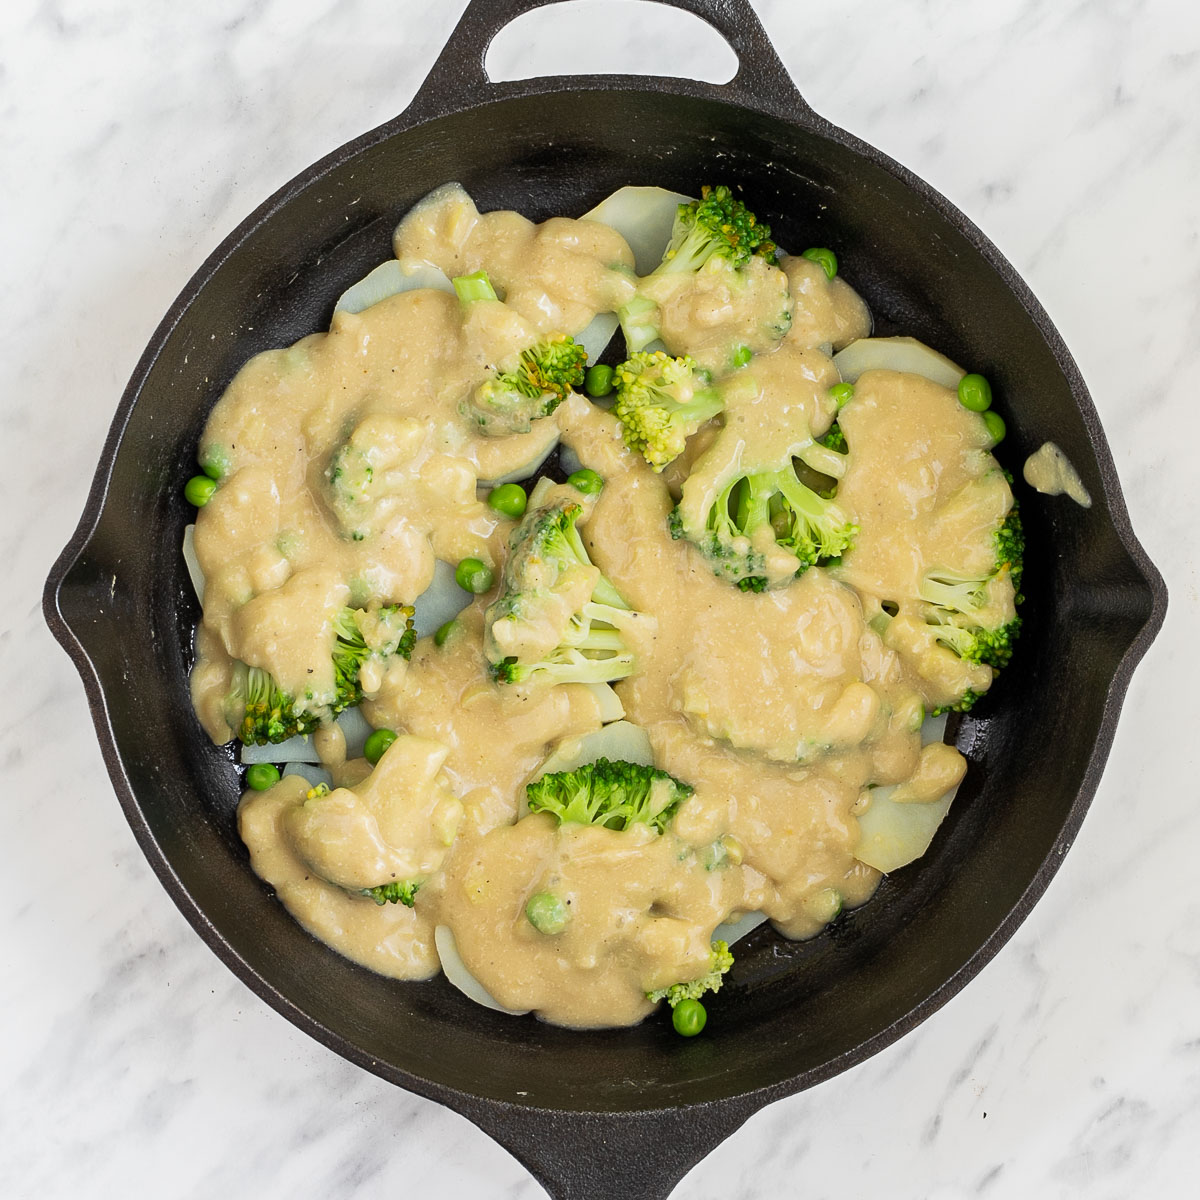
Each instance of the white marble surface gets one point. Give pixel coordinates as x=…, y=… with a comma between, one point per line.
x=133, y=136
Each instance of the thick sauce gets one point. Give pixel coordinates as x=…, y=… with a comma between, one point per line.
x=349, y=470
x=1049, y=471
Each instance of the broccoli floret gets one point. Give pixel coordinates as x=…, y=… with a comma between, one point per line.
x=716, y=224
x=377, y=462
x=556, y=618
x=529, y=385
x=735, y=514
x=614, y=795
x=834, y=439
x=752, y=583
x=958, y=631
x=350, y=475
x=268, y=714
x=969, y=616
x=403, y=891
x=661, y=402
x=389, y=630
x=265, y=713
x=717, y=227
x=1010, y=548
x=721, y=961
x=965, y=704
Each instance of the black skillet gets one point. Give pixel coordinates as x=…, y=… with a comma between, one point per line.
x=793, y=1014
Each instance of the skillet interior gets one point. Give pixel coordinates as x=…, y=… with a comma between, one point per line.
x=793, y=1014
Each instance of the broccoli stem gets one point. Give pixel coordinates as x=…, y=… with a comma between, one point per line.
x=471, y=288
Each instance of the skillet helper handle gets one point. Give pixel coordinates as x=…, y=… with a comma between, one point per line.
x=459, y=78
x=613, y=1156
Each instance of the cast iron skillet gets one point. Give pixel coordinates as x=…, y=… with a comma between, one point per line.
x=793, y=1014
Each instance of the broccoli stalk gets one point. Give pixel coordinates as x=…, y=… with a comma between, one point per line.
x=265, y=713
x=556, y=618
x=474, y=287
x=717, y=230
x=614, y=795
x=527, y=386
x=720, y=963
x=661, y=402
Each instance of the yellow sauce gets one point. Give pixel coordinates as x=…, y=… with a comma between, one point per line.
x=780, y=709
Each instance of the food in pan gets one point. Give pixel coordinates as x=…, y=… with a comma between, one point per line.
x=568, y=731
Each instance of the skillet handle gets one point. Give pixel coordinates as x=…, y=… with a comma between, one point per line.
x=459, y=78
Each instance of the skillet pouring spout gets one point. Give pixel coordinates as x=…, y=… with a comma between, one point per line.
x=619, y=1113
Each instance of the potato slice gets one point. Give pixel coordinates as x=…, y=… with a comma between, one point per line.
x=903, y=354
x=892, y=834
x=457, y=973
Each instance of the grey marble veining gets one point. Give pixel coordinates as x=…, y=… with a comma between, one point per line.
x=133, y=136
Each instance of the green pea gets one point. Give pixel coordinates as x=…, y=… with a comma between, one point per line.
x=214, y=462
x=473, y=576
x=586, y=480
x=689, y=1018
x=598, y=381
x=443, y=632
x=261, y=776
x=199, y=490
x=508, y=499
x=995, y=426
x=842, y=394
x=742, y=356
x=826, y=258
x=547, y=913
x=975, y=393
x=377, y=742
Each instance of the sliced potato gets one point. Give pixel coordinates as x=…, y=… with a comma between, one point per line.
x=933, y=729
x=893, y=834
x=897, y=354
x=732, y=931
x=355, y=729
x=596, y=336
x=643, y=216
x=457, y=973
x=388, y=279
x=440, y=602
x=195, y=574
x=298, y=749
x=314, y=776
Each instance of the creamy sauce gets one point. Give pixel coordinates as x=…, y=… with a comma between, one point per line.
x=351, y=469
x=827, y=312
x=388, y=938
x=1049, y=471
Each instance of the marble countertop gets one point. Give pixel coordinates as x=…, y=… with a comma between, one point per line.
x=134, y=136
